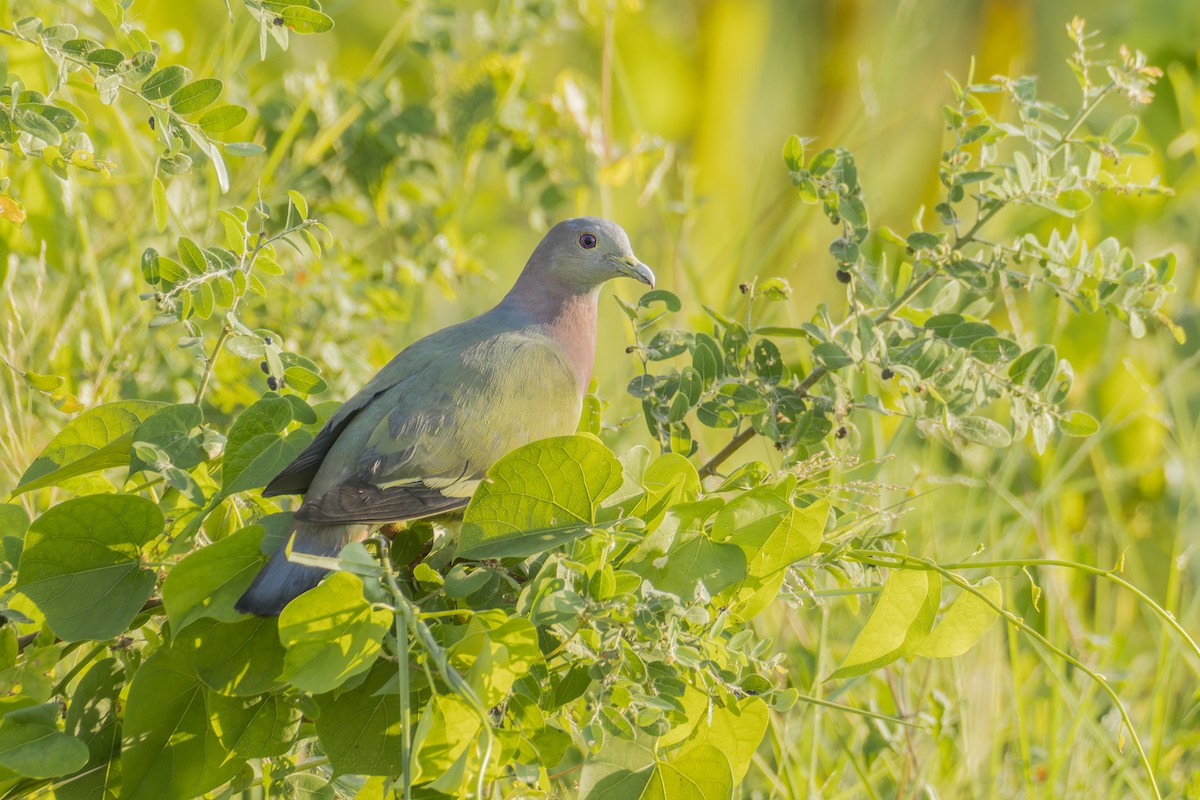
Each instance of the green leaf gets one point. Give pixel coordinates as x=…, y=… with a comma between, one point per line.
x=175, y=431
x=1122, y=130
x=774, y=534
x=43, y=383
x=191, y=256
x=32, y=746
x=195, y=96
x=360, y=729
x=299, y=19
x=299, y=203
x=669, y=300
x=964, y=623
x=823, y=162
x=169, y=749
x=80, y=47
x=649, y=488
x=106, y=58
x=1078, y=423
x=243, y=149
x=772, y=531
x=141, y=64
x=210, y=580
x=240, y=659
x=539, y=496
x=444, y=735
x=82, y=567
x=14, y=520
x=981, y=430
x=257, y=449
x=331, y=634
x=991, y=349
x=768, y=361
x=494, y=652
x=831, y=356
x=737, y=730
x=625, y=770
x=777, y=289
x=1073, y=199
x=924, y=241
x=96, y=439
x=202, y=297
x=254, y=727
x=165, y=82
x=92, y=717
x=793, y=153
x=965, y=334
x=221, y=118
x=900, y=620
x=112, y=10
x=1034, y=368
x=37, y=126
x=680, y=555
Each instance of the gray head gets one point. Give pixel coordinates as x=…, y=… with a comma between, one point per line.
x=580, y=254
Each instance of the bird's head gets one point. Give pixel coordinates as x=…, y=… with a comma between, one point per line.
x=584, y=252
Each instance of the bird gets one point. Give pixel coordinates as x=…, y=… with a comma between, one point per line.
x=418, y=438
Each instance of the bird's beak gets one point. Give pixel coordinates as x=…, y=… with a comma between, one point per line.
x=632, y=268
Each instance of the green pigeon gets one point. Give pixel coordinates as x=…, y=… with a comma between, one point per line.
x=420, y=436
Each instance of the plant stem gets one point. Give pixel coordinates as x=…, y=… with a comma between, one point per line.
x=421, y=633
x=211, y=361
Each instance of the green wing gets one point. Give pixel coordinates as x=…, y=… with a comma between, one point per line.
x=417, y=440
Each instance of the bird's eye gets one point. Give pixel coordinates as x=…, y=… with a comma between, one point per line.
x=587, y=241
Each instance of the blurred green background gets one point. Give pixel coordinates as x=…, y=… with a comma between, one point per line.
x=439, y=139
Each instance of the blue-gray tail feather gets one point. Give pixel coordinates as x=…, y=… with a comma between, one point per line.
x=281, y=580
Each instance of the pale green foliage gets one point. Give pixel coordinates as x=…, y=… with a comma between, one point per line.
x=597, y=625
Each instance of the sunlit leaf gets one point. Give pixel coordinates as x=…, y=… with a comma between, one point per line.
x=964, y=623
x=331, y=634
x=165, y=82
x=169, y=747
x=96, y=439
x=901, y=618
x=195, y=96
x=539, y=496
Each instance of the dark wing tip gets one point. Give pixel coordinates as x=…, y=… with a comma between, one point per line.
x=363, y=503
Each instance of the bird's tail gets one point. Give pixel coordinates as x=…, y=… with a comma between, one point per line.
x=282, y=580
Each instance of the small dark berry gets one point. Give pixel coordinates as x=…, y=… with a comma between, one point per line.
x=272, y=383
x=629, y=349
x=887, y=374
x=268, y=340
x=843, y=276
x=779, y=446
x=841, y=433
x=744, y=288
x=263, y=366
x=151, y=123
x=835, y=219
x=279, y=22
